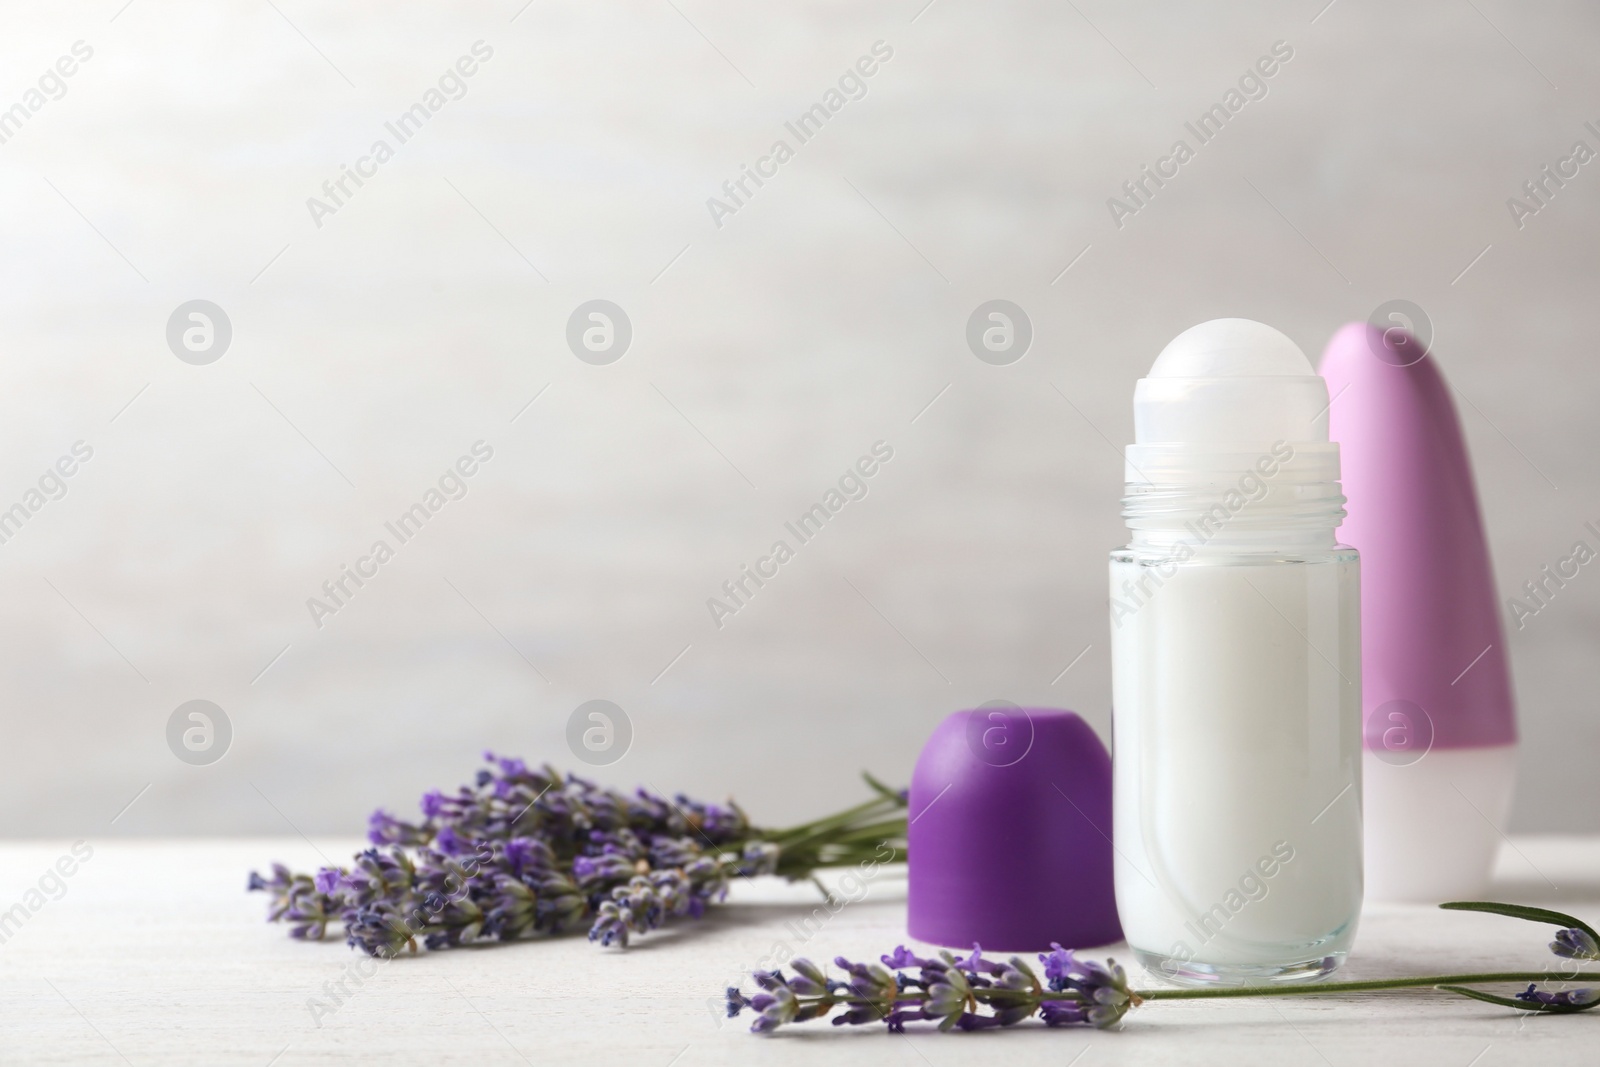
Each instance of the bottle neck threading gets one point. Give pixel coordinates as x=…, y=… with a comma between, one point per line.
x=1200, y=501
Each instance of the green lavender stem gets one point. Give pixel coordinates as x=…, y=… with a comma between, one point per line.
x=869, y=831
x=823, y=829
x=1426, y=981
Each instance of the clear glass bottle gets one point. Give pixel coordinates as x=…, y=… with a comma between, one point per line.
x=1236, y=670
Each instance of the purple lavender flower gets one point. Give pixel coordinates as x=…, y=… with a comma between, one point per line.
x=1063, y=1012
x=866, y=1013
x=380, y=930
x=308, y=916
x=868, y=981
x=1575, y=944
x=1577, y=999
x=385, y=829
x=527, y=852
x=612, y=925
x=903, y=957
x=774, y=1010
x=451, y=843
x=1103, y=987
x=947, y=999
x=780, y=1000
x=971, y=992
x=644, y=904
x=509, y=768
x=295, y=899
x=280, y=881
x=808, y=980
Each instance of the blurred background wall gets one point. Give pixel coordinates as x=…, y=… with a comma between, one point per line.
x=774, y=341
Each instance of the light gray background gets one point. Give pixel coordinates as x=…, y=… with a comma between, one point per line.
x=767, y=355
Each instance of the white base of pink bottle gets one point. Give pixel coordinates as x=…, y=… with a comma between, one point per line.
x=1433, y=828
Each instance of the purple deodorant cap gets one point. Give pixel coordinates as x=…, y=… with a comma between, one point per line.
x=1430, y=621
x=1010, y=833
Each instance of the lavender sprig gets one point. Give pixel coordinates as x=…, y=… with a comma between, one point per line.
x=974, y=993
x=956, y=993
x=524, y=853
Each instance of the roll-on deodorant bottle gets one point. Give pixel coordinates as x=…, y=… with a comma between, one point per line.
x=1236, y=669
x=1440, y=725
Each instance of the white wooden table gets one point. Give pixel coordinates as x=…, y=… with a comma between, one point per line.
x=156, y=955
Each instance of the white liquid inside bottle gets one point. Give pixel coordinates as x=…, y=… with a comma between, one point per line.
x=1236, y=670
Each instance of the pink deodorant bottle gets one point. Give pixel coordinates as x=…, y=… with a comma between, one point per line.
x=1439, y=722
